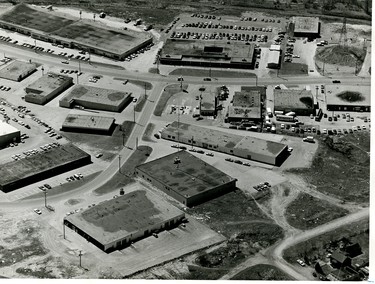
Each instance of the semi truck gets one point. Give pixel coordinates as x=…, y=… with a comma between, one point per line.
x=286, y=118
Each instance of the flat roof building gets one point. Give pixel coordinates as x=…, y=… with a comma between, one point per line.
x=299, y=101
x=273, y=60
x=116, y=223
x=17, y=70
x=208, y=102
x=198, y=53
x=96, y=98
x=251, y=148
x=348, y=98
x=47, y=88
x=246, y=106
x=306, y=27
x=88, y=123
x=186, y=178
x=8, y=134
x=46, y=26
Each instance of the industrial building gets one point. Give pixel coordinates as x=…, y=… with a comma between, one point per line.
x=348, y=98
x=306, y=27
x=186, y=178
x=273, y=61
x=47, y=88
x=40, y=166
x=246, y=106
x=73, y=33
x=208, y=103
x=17, y=70
x=251, y=148
x=89, y=124
x=301, y=102
x=96, y=98
x=8, y=134
x=116, y=223
x=197, y=53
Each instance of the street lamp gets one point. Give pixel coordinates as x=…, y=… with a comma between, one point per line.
x=42, y=70
x=80, y=258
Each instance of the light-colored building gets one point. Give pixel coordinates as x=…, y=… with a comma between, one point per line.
x=116, y=223
x=348, y=98
x=88, y=123
x=208, y=102
x=273, y=60
x=306, y=27
x=301, y=102
x=17, y=70
x=275, y=47
x=251, y=148
x=8, y=134
x=186, y=178
x=47, y=88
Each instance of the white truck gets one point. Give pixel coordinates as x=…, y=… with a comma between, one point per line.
x=291, y=113
x=287, y=118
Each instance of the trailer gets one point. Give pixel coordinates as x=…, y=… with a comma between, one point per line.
x=286, y=118
x=269, y=112
x=291, y=113
x=279, y=112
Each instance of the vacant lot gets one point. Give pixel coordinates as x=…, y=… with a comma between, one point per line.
x=307, y=212
x=336, y=54
x=168, y=92
x=262, y=272
x=124, y=178
x=341, y=167
x=288, y=68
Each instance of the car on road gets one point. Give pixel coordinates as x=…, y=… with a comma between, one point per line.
x=229, y=159
x=210, y=154
x=65, y=62
x=336, y=81
x=206, y=79
x=247, y=164
x=99, y=155
x=200, y=151
x=238, y=162
x=37, y=211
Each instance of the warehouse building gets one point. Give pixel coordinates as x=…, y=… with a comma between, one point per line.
x=40, y=166
x=273, y=60
x=208, y=103
x=348, y=98
x=301, y=102
x=116, y=223
x=17, y=70
x=306, y=27
x=96, y=98
x=197, y=53
x=186, y=178
x=89, y=124
x=251, y=148
x=73, y=33
x=47, y=88
x=246, y=106
x=8, y=134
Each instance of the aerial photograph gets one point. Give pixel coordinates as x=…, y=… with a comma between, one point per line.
x=185, y=140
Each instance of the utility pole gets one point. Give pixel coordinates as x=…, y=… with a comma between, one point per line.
x=64, y=229
x=80, y=258
x=45, y=198
x=79, y=66
x=134, y=112
x=123, y=138
x=323, y=66
x=119, y=163
x=77, y=79
x=42, y=70
x=80, y=15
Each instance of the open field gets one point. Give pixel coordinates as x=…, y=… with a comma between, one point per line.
x=197, y=72
x=262, y=272
x=336, y=54
x=341, y=168
x=168, y=92
x=125, y=177
x=313, y=213
x=288, y=68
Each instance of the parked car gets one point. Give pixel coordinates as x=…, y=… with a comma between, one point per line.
x=37, y=211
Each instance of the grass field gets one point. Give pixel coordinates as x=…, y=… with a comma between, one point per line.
x=203, y=273
x=262, y=272
x=140, y=103
x=124, y=178
x=336, y=54
x=313, y=213
x=196, y=72
x=168, y=92
x=148, y=132
x=288, y=68
x=341, y=168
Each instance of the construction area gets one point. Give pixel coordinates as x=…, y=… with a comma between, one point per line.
x=96, y=98
x=89, y=124
x=16, y=70
x=186, y=178
x=117, y=223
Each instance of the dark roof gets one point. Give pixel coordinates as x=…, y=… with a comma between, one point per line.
x=338, y=256
x=353, y=250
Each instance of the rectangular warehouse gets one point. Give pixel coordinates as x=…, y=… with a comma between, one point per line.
x=8, y=134
x=306, y=27
x=348, y=98
x=246, y=106
x=41, y=25
x=301, y=102
x=273, y=61
x=208, y=103
x=116, y=223
x=197, y=53
x=186, y=178
x=17, y=70
x=47, y=88
x=89, y=124
x=41, y=166
x=251, y=148
x=96, y=98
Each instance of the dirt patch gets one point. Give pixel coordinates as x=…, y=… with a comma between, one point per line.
x=168, y=92
x=126, y=176
x=203, y=273
x=308, y=212
x=340, y=55
x=351, y=96
x=74, y=201
x=288, y=68
x=262, y=272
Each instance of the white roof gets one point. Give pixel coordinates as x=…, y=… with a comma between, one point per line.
x=275, y=47
x=6, y=128
x=273, y=57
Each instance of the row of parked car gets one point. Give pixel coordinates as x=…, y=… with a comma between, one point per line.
x=209, y=25
x=4, y=88
x=142, y=50
x=203, y=16
x=69, y=71
x=74, y=177
x=237, y=162
x=262, y=186
x=220, y=36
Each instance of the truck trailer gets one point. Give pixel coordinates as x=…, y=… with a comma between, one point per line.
x=287, y=118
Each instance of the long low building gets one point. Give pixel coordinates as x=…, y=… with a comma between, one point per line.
x=8, y=134
x=348, y=98
x=41, y=166
x=89, y=124
x=96, y=98
x=301, y=102
x=17, y=70
x=47, y=88
x=186, y=178
x=247, y=147
x=116, y=223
